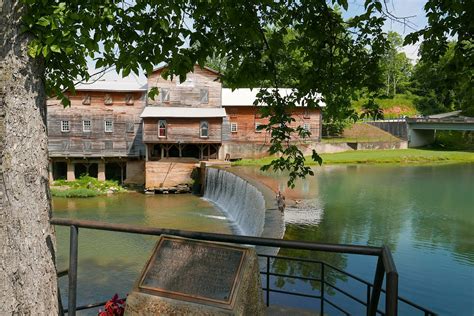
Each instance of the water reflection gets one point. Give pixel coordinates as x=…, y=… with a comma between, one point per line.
x=423, y=213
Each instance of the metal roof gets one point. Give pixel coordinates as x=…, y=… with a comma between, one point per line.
x=445, y=115
x=185, y=112
x=246, y=96
x=113, y=85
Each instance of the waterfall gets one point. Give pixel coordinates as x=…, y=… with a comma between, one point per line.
x=242, y=202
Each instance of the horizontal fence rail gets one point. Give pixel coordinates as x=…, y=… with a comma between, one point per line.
x=385, y=264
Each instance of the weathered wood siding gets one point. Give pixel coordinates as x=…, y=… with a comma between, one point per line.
x=247, y=117
x=188, y=93
x=124, y=140
x=184, y=130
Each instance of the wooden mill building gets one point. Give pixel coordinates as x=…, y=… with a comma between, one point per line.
x=114, y=131
x=100, y=134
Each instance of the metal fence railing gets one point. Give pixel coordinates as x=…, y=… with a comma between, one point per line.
x=385, y=265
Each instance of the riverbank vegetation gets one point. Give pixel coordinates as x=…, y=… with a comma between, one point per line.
x=397, y=156
x=85, y=186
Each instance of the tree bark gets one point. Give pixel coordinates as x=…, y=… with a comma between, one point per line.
x=28, y=282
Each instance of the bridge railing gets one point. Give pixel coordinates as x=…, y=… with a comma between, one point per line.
x=385, y=265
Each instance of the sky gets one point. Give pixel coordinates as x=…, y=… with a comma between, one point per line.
x=400, y=8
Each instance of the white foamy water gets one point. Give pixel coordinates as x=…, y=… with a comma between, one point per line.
x=306, y=212
x=242, y=202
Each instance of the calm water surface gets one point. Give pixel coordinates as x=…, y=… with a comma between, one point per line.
x=425, y=214
x=110, y=262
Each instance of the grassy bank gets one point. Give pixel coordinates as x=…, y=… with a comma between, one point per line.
x=83, y=187
x=398, y=156
x=400, y=104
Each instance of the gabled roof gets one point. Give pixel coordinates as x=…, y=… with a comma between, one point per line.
x=246, y=96
x=113, y=85
x=445, y=115
x=184, y=112
x=205, y=67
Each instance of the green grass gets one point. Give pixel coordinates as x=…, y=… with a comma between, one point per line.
x=400, y=104
x=398, y=156
x=85, y=186
x=81, y=193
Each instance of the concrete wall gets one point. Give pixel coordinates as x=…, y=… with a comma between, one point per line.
x=135, y=172
x=420, y=137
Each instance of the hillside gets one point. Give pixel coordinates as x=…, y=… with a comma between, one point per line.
x=400, y=105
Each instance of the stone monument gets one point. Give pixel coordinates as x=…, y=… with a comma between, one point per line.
x=186, y=276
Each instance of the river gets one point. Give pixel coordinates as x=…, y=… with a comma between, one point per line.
x=425, y=214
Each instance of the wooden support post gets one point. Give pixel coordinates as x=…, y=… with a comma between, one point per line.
x=51, y=178
x=101, y=171
x=180, y=150
x=146, y=152
x=162, y=151
x=208, y=152
x=70, y=176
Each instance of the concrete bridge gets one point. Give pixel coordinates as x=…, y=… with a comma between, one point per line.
x=422, y=131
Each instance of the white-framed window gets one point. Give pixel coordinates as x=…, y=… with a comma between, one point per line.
x=86, y=125
x=86, y=100
x=65, y=126
x=257, y=130
x=233, y=127
x=109, y=126
x=129, y=100
x=204, y=96
x=162, y=128
x=165, y=94
x=204, y=129
x=307, y=126
x=108, y=100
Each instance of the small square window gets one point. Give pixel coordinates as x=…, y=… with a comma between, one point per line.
x=86, y=126
x=109, y=126
x=233, y=127
x=307, y=126
x=204, y=96
x=165, y=95
x=109, y=145
x=257, y=129
x=129, y=100
x=65, y=127
x=86, y=100
x=108, y=99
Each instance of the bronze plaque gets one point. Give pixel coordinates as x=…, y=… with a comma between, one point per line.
x=193, y=270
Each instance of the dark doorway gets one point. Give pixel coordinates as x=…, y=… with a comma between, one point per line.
x=59, y=170
x=82, y=169
x=190, y=151
x=173, y=151
x=155, y=153
x=115, y=171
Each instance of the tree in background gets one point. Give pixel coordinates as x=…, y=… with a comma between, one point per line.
x=446, y=68
x=396, y=66
x=444, y=85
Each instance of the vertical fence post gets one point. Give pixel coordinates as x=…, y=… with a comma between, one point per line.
x=322, y=289
x=378, y=280
x=368, y=298
x=268, y=281
x=391, y=299
x=73, y=245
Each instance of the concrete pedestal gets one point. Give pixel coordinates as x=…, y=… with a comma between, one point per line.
x=211, y=297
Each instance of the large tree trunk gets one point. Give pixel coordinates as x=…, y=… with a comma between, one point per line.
x=28, y=284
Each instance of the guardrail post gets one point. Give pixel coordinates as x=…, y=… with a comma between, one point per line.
x=391, y=299
x=73, y=245
x=378, y=280
x=322, y=289
x=268, y=281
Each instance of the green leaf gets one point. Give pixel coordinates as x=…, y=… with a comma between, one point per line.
x=55, y=48
x=43, y=21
